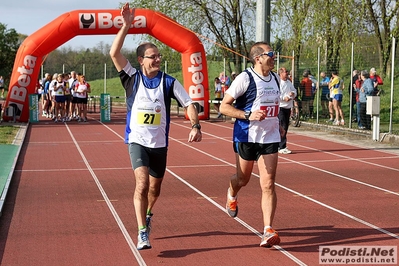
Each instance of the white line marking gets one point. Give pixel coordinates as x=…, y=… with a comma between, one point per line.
x=250, y=228
x=350, y=158
x=322, y=170
x=118, y=220
x=343, y=177
x=308, y=198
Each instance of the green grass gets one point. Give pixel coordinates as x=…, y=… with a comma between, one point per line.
x=7, y=134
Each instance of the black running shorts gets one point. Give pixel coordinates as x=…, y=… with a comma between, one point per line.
x=252, y=151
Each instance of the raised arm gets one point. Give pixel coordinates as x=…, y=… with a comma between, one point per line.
x=119, y=60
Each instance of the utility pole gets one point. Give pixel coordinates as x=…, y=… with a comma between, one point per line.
x=263, y=20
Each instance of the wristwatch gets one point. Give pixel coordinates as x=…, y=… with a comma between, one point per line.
x=247, y=114
x=198, y=126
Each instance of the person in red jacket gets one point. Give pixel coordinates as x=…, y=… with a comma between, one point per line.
x=377, y=80
x=306, y=92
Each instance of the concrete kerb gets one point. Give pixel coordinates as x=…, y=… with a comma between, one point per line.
x=19, y=141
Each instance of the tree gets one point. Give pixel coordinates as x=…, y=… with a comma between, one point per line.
x=10, y=41
x=292, y=16
x=382, y=20
x=228, y=22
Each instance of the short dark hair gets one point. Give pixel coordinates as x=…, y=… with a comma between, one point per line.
x=256, y=50
x=140, y=51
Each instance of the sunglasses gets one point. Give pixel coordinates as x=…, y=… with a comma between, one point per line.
x=269, y=54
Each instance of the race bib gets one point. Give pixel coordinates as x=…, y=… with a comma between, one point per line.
x=271, y=110
x=149, y=116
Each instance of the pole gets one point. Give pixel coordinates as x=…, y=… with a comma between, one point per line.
x=263, y=20
x=105, y=78
x=317, y=85
x=351, y=89
x=392, y=81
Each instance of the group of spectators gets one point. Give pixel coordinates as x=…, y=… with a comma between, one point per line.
x=365, y=83
x=64, y=96
x=222, y=83
x=331, y=95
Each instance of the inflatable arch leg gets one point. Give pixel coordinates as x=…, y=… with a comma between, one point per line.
x=105, y=22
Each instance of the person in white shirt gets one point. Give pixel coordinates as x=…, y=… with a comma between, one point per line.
x=287, y=96
x=148, y=95
x=253, y=99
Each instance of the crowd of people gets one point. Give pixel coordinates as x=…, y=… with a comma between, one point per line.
x=365, y=83
x=63, y=97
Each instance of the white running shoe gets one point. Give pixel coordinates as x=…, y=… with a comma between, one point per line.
x=143, y=241
x=285, y=151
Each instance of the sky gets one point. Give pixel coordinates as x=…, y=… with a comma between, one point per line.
x=28, y=16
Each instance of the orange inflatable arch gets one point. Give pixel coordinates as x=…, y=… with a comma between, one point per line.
x=102, y=22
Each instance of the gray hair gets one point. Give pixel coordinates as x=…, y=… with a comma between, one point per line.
x=365, y=74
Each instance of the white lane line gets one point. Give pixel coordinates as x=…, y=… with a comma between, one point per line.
x=325, y=171
x=250, y=228
x=361, y=160
x=118, y=220
x=341, y=176
x=304, y=196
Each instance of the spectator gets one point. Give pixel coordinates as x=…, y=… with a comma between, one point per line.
x=73, y=80
x=358, y=84
x=325, y=94
x=355, y=76
x=314, y=90
x=2, y=86
x=256, y=134
x=59, y=87
x=148, y=92
x=218, y=95
x=377, y=80
x=233, y=76
x=287, y=96
x=46, y=96
x=225, y=81
x=68, y=97
x=365, y=90
x=82, y=89
x=52, y=96
x=335, y=86
x=305, y=89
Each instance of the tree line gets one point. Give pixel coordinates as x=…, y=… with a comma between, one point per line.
x=227, y=30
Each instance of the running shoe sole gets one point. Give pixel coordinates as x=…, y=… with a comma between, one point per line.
x=270, y=240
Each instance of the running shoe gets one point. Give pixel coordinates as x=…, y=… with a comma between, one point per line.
x=285, y=151
x=143, y=241
x=342, y=123
x=336, y=123
x=270, y=238
x=148, y=222
x=231, y=206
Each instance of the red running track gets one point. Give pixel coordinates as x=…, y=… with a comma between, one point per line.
x=70, y=200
